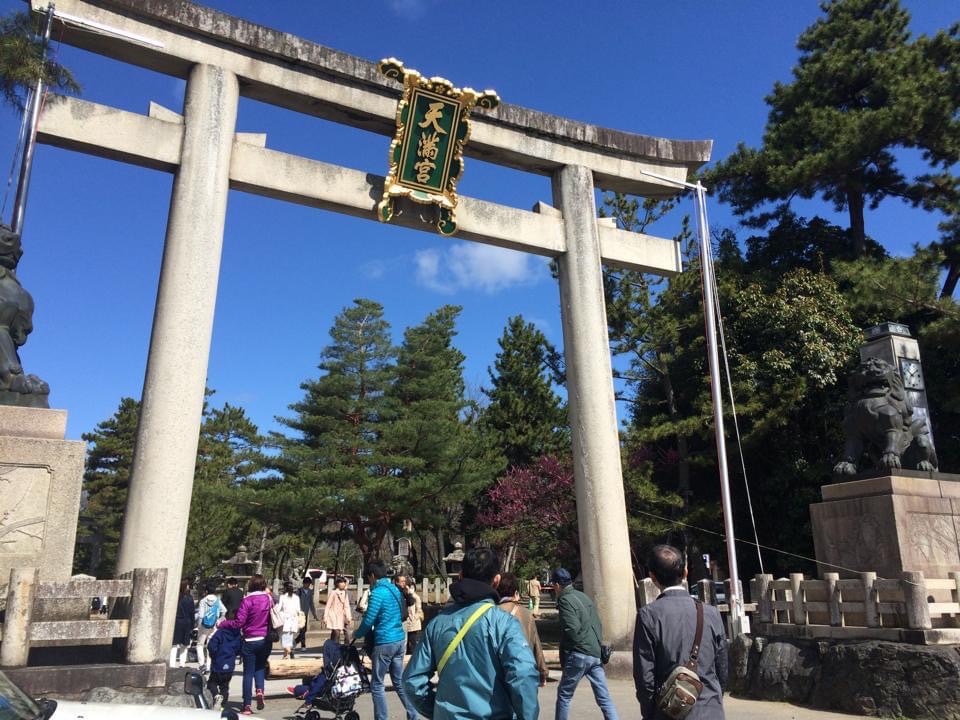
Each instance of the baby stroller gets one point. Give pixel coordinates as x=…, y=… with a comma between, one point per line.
x=337, y=687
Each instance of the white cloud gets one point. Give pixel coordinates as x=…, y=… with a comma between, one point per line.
x=373, y=269
x=472, y=266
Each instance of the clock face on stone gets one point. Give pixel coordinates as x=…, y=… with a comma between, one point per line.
x=911, y=373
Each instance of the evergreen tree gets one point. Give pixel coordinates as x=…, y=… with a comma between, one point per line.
x=524, y=418
x=861, y=90
x=106, y=478
x=335, y=467
x=441, y=456
x=229, y=453
x=22, y=61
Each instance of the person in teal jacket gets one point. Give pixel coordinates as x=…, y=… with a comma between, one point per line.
x=383, y=619
x=490, y=674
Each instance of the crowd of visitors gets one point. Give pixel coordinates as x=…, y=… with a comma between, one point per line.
x=481, y=655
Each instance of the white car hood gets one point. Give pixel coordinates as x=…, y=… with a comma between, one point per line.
x=69, y=710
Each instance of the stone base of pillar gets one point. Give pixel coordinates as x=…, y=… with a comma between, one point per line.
x=40, y=481
x=889, y=524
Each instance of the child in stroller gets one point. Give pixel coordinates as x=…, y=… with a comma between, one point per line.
x=336, y=687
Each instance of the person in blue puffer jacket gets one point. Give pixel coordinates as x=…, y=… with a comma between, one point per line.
x=383, y=619
x=490, y=674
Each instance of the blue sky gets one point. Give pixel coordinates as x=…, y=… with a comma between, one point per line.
x=94, y=228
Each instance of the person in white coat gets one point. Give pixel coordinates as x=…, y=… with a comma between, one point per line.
x=290, y=611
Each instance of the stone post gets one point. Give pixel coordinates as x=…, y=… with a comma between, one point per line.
x=705, y=592
x=161, y=481
x=915, y=600
x=647, y=592
x=796, y=591
x=871, y=610
x=601, y=508
x=145, y=642
x=764, y=607
x=955, y=594
x=833, y=598
x=21, y=592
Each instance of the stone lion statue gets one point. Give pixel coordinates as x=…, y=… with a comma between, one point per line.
x=16, y=322
x=880, y=422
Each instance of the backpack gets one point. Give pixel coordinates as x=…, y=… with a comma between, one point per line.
x=211, y=614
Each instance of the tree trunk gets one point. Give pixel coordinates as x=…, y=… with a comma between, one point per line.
x=263, y=547
x=857, y=228
x=950, y=281
x=683, y=464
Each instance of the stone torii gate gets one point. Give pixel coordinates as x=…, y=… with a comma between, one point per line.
x=223, y=57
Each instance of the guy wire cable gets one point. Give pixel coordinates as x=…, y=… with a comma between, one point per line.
x=765, y=547
x=733, y=404
x=17, y=152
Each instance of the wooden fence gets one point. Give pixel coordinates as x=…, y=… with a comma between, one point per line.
x=704, y=590
x=434, y=591
x=911, y=608
x=136, y=615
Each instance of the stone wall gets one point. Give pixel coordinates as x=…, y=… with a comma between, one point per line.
x=871, y=677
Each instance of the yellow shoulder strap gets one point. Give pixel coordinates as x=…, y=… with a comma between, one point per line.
x=459, y=636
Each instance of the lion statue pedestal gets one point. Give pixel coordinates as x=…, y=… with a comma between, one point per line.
x=903, y=521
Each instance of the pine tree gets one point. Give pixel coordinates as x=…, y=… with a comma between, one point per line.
x=106, y=479
x=861, y=90
x=441, y=456
x=22, y=61
x=334, y=467
x=229, y=453
x=524, y=418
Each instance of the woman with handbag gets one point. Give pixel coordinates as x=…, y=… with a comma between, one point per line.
x=256, y=625
x=336, y=613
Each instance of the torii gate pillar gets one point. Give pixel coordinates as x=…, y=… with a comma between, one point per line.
x=161, y=479
x=601, y=508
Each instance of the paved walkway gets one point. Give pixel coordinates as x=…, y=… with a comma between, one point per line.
x=280, y=705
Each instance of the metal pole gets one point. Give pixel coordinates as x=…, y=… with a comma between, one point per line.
x=33, y=111
x=706, y=262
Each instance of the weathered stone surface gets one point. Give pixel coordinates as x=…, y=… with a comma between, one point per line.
x=75, y=680
x=172, y=696
x=872, y=677
x=33, y=422
x=743, y=654
x=890, y=679
x=786, y=671
x=40, y=481
x=889, y=525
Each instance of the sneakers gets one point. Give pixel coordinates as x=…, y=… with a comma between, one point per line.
x=259, y=699
x=292, y=690
x=246, y=710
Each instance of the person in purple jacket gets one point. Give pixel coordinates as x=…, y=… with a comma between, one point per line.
x=253, y=620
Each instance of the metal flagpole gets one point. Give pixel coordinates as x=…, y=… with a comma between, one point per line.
x=709, y=310
x=33, y=112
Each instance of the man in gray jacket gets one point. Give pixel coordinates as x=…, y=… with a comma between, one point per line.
x=664, y=637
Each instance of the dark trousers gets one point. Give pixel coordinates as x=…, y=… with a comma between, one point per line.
x=181, y=631
x=219, y=684
x=412, y=638
x=301, y=638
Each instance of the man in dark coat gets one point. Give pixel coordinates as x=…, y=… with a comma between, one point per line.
x=232, y=596
x=305, y=593
x=664, y=637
